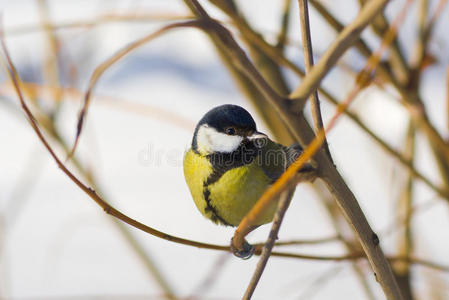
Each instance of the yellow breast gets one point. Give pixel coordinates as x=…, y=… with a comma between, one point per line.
x=230, y=198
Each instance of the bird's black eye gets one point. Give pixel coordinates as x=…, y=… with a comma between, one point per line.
x=230, y=130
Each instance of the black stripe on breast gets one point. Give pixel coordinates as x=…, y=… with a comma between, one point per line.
x=209, y=208
x=221, y=163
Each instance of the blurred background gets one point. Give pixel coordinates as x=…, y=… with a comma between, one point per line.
x=56, y=243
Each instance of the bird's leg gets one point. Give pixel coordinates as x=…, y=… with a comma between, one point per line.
x=247, y=251
x=307, y=173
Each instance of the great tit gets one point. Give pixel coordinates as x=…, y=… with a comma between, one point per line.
x=230, y=164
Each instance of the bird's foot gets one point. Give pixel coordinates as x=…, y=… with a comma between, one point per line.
x=245, y=253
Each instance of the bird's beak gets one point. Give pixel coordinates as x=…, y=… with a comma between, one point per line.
x=259, y=139
x=257, y=135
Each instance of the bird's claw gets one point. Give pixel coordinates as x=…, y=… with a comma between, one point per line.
x=245, y=253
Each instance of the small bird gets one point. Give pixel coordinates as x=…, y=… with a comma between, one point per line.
x=230, y=164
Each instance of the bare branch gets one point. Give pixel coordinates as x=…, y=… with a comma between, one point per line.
x=447, y=97
x=284, y=202
x=308, y=59
x=282, y=37
x=404, y=207
x=348, y=36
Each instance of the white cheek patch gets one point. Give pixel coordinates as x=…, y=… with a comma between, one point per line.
x=210, y=140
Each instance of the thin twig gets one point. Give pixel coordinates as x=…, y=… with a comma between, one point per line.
x=284, y=202
x=356, y=256
x=423, y=10
x=426, y=26
x=348, y=36
x=360, y=44
x=402, y=269
x=397, y=63
x=113, y=59
x=282, y=37
x=308, y=61
x=211, y=277
x=317, y=241
x=319, y=283
x=447, y=97
x=51, y=65
x=97, y=21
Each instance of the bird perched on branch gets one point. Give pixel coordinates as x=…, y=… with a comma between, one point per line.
x=230, y=164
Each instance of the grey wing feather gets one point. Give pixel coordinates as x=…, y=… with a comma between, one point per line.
x=292, y=153
x=273, y=159
x=278, y=158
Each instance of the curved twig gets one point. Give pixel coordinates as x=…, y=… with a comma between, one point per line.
x=113, y=59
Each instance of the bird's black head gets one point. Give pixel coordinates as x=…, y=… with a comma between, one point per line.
x=223, y=128
x=226, y=116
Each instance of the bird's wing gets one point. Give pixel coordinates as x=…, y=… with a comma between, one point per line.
x=276, y=158
x=292, y=153
x=273, y=159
